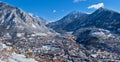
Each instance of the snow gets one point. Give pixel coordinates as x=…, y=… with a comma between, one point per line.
x=70, y=32
x=98, y=34
x=8, y=27
x=30, y=14
x=2, y=46
x=39, y=34
x=20, y=27
x=13, y=57
x=7, y=36
x=11, y=60
x=2, y=60
x=50, y=48
x=94, y=55
x=34, y=26
x=101, y=34
x=2, y=21
x=76, y=16
x=46, y=48
x=20, y=34
x=20, y=58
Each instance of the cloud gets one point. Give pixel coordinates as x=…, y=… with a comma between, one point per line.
x=76, y=1
x=96, y=6
x=54, y=11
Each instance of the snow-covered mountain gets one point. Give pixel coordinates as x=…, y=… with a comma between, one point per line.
x=60, y=25
x=87, y=37
x=101, y=18
x=15, y=20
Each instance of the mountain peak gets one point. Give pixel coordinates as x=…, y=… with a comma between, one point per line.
x=5, y=6
x=13, y=19
x=104, y=9
x=75, y=12
x=2, y=3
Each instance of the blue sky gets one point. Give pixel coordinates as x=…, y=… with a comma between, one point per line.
x=53, y=10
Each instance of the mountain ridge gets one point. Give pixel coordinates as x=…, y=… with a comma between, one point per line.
x=94, y=20
x=71, y=17
x=13, y=19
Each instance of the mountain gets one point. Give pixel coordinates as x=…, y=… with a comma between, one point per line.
x=93, y=37
x=60, y=25
x=101, y=18
x=14, y=20
x=101, y=21
x=47, y=48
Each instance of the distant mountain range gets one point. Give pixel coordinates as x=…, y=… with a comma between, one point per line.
x=100, y=24
x=101, y=18
x=61, y=25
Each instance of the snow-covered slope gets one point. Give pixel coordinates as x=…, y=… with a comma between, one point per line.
x=20, y=58
x=60, y=25
x=7, y=56
x=13, y=20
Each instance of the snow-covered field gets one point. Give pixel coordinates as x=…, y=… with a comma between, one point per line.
x=5, y=56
